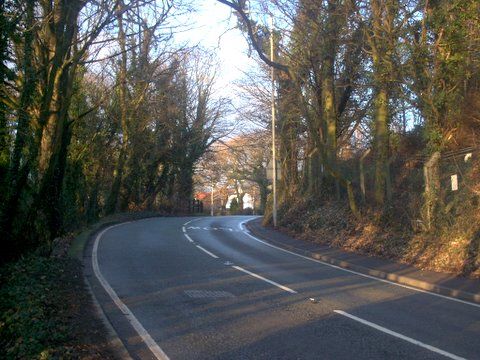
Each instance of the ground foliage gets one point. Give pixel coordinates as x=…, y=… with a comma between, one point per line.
x=396, y=233
x=46, y=312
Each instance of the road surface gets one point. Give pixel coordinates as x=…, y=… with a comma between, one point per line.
x=204, y=288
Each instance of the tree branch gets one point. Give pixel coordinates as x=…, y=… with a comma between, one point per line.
x=251, y=34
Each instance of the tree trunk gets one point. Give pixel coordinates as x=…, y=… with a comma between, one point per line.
x=48, y=199
x=315, y=173
x=328, y=95
x=92, y=204
x=381, y=137
x=59, y=29
x=184, y=184
x=431, y=171
x=287, y=136
x=14, y=181
x=263, y=187
x=26, y=97
x=114, y=196
x=381, y=40
x=4, y=133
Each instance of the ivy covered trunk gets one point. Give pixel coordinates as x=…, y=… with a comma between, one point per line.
x=382, y=40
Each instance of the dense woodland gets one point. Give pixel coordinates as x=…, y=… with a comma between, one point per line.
x=378, y=117
x=100, y=112
x=378, y=104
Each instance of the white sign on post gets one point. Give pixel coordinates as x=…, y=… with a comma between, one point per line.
x=270, y=171
x=454, y=181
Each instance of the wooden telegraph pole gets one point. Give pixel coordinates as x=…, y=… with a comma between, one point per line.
x=274, y=153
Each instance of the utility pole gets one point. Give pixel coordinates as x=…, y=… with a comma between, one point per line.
x=211, y=202
x=274, y=152
x=253, y=200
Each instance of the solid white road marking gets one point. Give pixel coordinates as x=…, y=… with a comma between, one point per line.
x=241, y=226
x=188, y=237
x=185, y=230
x=206, y=251
x=144, y=335
x=400, y=336
x=189, y=221
x=265, y=279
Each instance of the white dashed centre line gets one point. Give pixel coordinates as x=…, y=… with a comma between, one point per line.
x=207, y=252
x=265, y=279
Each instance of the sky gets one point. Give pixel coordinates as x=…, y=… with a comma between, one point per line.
x=213, y=28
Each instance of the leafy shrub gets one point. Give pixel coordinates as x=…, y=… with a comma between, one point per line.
x=32, y=308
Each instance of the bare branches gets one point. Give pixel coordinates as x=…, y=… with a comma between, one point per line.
x=237, y=6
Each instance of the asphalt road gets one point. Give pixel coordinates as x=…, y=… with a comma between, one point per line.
x=203, y=288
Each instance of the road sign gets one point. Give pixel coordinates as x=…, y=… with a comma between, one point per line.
x=270, y=171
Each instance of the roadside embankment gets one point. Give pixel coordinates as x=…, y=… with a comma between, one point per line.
x=46, y=309
x=320, y=246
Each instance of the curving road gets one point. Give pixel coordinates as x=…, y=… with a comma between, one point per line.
x=204, y=288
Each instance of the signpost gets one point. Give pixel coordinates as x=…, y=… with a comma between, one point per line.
x=211, y=201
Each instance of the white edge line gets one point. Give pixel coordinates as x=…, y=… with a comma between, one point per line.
x=400, y=336
x=265, y=279
x=147, y=339
x=185, y=230
x=196, y=219
x=207, y=252
x=121, y=351
x=246, y=232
